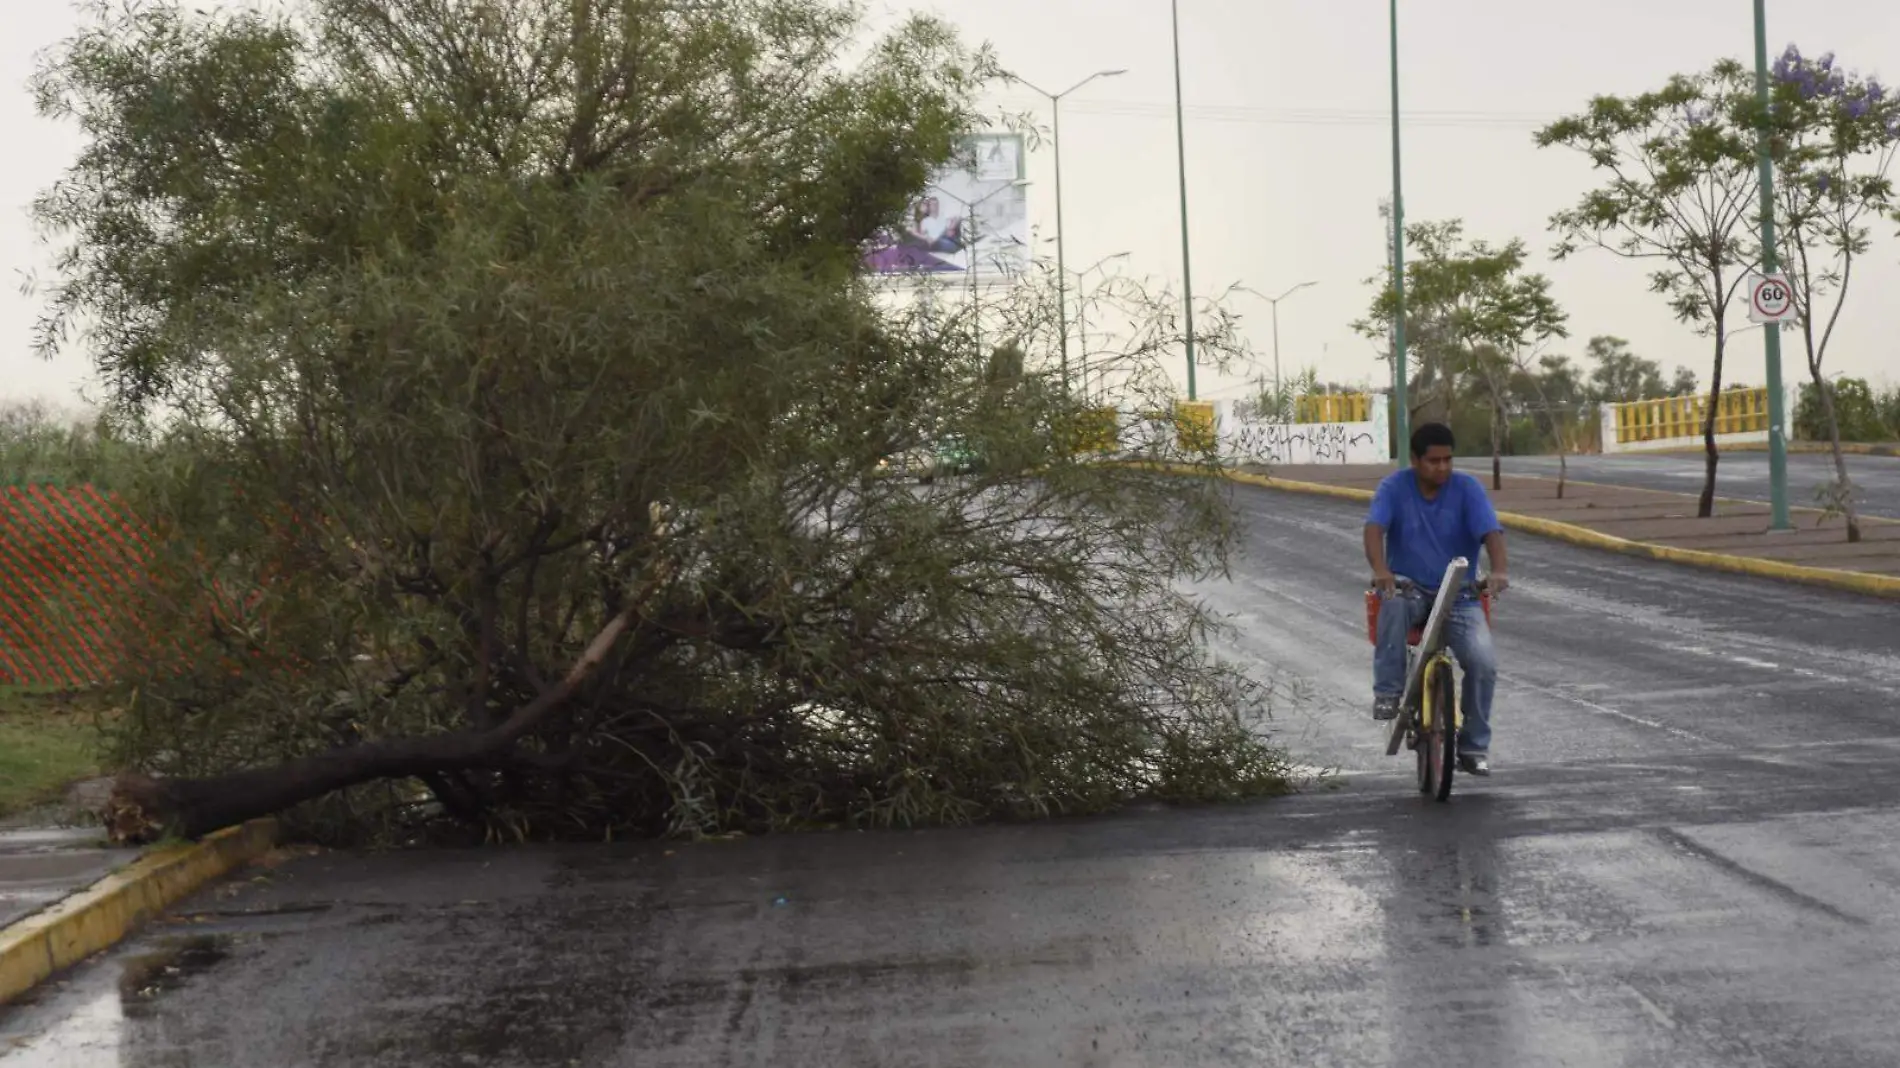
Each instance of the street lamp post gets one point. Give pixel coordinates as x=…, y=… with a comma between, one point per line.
x=1771, y=337
x=1180, y=161
x=1062, y=294
x=1081, y=315
x=1274, y=302
x=969, y=208
x=1400, y=409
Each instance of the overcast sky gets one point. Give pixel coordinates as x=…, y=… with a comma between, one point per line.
x=1288, y=151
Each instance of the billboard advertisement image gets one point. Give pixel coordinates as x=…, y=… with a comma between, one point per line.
x=971, y=219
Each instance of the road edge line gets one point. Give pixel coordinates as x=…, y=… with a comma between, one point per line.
x=98, y=917
x=1832, y=578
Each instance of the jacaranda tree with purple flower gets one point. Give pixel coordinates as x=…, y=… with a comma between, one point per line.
x=1680, y=190
x=1835, y=134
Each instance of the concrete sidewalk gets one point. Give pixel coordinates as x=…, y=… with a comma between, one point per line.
x=41, y=866
x=1739, y=529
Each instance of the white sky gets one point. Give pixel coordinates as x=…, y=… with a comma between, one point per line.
x=1288, y=150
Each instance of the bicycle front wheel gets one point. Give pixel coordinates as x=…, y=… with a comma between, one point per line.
x=1444, y=739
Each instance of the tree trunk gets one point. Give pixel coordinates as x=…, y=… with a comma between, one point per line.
x=1844, y=498
x=142, y=809
x=1705, y=506
x=1497, y=448
x=1563, y=468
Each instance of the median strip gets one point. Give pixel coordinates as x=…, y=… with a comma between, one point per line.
x=1861, y=582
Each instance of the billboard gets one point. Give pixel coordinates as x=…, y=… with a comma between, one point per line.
x=971, y=220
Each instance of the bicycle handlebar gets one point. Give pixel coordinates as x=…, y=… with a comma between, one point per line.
x=1407, y=585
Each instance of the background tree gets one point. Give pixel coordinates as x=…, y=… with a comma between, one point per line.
x=1858, y=413
x=1620, y=375
x=1680, y=190
x=514, y=403
x=1552, y=389
x=1684, y=383
x=1835, y=135
x=1478, y=312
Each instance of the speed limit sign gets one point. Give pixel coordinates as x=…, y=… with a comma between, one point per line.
x=1770, y=299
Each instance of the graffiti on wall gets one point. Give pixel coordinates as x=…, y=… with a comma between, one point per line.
x=1253, y=441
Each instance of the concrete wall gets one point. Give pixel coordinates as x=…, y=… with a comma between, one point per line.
x=1247, y=439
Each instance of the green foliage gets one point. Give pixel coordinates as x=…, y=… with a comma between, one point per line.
x=1861, y=415
x=1621, y=376
x=1476, y=315
x=1835, y=137
x=47, y=741
x=516, y=387
x=1683, y=384
x=39, y=446
x=1678, y=186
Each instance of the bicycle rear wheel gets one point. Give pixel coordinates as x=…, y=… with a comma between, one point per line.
x=1444, y=740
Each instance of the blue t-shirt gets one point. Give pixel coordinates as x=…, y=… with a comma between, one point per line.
x=1421, y=536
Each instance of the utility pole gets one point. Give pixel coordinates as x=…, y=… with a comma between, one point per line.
x=1180, y=160
x=1400, y=408
x=1274, y=302
x=1771, y=337
x=1062, y=276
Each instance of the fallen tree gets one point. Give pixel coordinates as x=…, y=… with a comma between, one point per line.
x=517, y=417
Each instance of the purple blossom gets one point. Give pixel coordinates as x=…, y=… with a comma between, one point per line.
x=1822, y=184
x=1876, y=92
x=1856, y=107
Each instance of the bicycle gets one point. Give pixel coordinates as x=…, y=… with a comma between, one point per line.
x=1430, y=714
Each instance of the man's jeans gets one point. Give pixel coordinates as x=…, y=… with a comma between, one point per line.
x=1470, y=641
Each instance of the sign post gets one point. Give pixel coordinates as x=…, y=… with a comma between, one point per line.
x=1770, y=266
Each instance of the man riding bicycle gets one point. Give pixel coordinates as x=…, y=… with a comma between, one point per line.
x=1421, y=519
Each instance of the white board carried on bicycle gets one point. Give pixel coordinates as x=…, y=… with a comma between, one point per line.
x=1429, y=643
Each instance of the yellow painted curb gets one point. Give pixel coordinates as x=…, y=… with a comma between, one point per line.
x=1799, y=510
x=1802, y=448
x=105, y=912
x=1832, y=578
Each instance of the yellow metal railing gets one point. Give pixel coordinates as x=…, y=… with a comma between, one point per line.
x=1333, y=408
x=1096, y=430
x=1194, y=425
x=1741, y=411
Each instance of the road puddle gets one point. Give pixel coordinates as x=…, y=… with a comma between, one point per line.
x=83, y=1019
x=148, y=977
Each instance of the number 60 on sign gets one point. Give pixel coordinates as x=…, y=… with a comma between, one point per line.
x=1770, y=298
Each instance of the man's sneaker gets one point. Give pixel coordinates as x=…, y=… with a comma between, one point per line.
x=1475, y=764
x=1384, y=708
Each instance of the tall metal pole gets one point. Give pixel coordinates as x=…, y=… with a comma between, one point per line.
x=1277, y=395
x=1062, y=276
x=1274, y=302
x=1771, y=336
x=1401, y=409
x=1180, y=158
x=1062, y=273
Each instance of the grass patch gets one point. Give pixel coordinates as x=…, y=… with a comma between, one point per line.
x=48, y=740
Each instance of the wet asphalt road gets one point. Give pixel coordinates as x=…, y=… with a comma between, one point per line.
x=1741, y=475
x=1687, y=858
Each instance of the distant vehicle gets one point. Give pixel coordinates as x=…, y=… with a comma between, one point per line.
x=951, y=455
